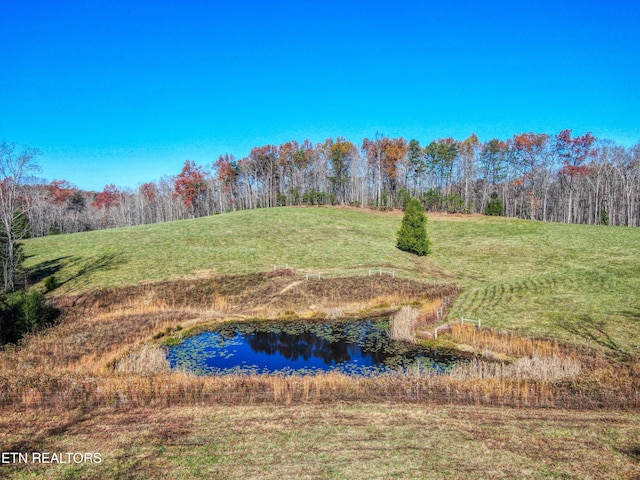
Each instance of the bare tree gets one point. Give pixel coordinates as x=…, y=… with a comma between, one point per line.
x=15, y=169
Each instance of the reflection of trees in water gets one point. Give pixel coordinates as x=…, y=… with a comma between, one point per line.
x=351, y=347
x=306, y=345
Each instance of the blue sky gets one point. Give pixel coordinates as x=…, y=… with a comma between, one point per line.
x=124, y=92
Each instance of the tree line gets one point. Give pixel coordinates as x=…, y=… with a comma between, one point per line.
x=559, y=178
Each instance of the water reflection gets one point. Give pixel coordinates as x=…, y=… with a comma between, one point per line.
x=295, y=347
x=304, y=346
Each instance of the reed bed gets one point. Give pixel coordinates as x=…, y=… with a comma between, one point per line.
x=180, y=389
x=544, y=369
x=148, y=359
x=504, y=342
x=403, y=324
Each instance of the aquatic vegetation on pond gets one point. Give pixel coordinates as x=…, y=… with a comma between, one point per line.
x=355, y=348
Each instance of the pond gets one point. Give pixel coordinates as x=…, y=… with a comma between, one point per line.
x=294, y=347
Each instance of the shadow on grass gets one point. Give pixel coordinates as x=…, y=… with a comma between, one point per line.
x=632, y=452
x=81, y=266
x=588, y=328
x=46, y=269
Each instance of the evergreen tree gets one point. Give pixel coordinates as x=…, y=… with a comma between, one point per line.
x=412, y=236
x=495, y=206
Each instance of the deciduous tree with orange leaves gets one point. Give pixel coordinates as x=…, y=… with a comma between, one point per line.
x=190, y=184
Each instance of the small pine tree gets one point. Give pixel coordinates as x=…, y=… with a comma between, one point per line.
x=604, y=217
x=495, y=206
x=412, y=236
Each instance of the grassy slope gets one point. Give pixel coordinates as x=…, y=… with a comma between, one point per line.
x=571, y=281
x=239, y=242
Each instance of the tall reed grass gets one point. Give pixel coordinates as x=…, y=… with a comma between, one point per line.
x=544, y=369
x=64, y=391
x=503, y=342
x=403, y=324
x=148, y=359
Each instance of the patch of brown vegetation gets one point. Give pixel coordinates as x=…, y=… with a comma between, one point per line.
x=486, y=339
x=244, y=293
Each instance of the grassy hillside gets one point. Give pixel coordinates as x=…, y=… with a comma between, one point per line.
x=574, y=282
x=239, y=242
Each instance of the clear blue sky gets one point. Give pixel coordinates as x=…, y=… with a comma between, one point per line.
x=125, y=91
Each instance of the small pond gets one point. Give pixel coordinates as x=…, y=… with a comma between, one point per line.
x=356, y=348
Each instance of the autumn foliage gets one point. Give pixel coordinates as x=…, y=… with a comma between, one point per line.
x=189, y=183
x=149, y=191
x=61, y=191
x=574, y=153
x=537, y=176
x=107, y=198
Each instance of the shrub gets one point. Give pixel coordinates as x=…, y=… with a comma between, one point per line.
x=454, y=203
x=604, y=217
x=495, y=206
x=172, y=341
x=37, y=313
x=24, y=312
x=404, y=197
x=432, y=200
x=51, y=283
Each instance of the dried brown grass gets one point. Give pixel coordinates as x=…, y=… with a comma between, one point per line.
x=543, y=369
x=146, y=360
x=64, y=391
x=503, y=342
x=403, y=324
x=259, y=290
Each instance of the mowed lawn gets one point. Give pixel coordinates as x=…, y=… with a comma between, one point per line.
x=578, y=283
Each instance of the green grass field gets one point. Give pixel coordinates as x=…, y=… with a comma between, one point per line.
x=574, y=282
x=361, y=441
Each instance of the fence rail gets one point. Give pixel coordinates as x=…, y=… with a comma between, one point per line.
x=380, y=271
x=477, y=323
x=309, y=273
x=281, y=267
x=448, y=326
